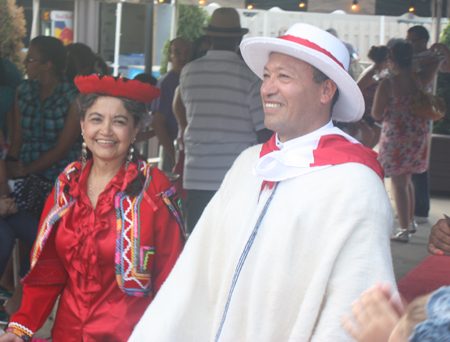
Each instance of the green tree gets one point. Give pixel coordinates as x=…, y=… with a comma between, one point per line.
x=190, y=21
x=12, y=32
x=443, y=90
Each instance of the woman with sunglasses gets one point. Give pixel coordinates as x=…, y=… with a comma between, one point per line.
x=44, y=139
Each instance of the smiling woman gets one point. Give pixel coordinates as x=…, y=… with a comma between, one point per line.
x=111, y=229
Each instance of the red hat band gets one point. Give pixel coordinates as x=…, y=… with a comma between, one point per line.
x=118, y=87
x=311, y=45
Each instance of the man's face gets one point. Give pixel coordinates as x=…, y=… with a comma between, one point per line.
x=418, y=44
x=290, y=97
x=179, y=54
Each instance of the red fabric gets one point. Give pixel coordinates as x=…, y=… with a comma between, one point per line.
x=92, y=307
x=428, y=276
x=311, y=45
x=116, y=86
x=333, y=150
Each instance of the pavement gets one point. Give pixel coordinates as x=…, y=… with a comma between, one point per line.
x=405, y=256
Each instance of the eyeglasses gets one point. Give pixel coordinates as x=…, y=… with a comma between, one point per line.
x=31, y=60
x=413, y=40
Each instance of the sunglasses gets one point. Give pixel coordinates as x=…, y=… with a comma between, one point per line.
x=31, y=60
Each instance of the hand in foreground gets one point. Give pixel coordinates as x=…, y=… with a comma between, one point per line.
x=374, y=317
x=439, y=242
x=10, y=337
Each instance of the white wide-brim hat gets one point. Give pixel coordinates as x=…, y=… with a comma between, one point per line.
x=318, y=48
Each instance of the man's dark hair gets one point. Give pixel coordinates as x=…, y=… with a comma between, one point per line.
x=175, y=40
x=226, y=43
x=420, y=31
x=319, y=77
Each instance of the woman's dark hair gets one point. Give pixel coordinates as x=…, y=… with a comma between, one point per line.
x=51, y=49
x=137, y=111
x=378, y=54
x=195, y=49
x=402, y=54
x=79, y=57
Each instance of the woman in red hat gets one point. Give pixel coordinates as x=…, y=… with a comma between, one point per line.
x=111, y=229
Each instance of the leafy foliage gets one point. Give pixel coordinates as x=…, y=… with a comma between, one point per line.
x=190, y=21
x=12, y=31
x=443, y=90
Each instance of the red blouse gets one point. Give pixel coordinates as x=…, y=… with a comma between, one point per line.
x=92, y=307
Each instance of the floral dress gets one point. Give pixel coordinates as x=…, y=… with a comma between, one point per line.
x=404, y=138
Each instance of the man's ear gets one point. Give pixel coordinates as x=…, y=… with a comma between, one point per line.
x=328, y=90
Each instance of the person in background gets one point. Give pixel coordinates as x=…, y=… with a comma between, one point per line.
x=404, y=136
x=80, y=60
x=14, y=224
x=46, y=126
x=164, y=122
x=353, y=68
x=428, y=60
x=6, y=100
x=368, y=83
x=146, y=133
x=439, y=240
x=224, y=113
x=111, y=229
x=100, y=66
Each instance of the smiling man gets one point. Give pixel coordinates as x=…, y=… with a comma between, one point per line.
x=300, y=226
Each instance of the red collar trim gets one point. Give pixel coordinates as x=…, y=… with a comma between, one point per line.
x=333, y=150
x=117, y=86
x=311, y=45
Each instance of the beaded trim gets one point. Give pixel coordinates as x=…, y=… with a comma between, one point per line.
x=21, y=331
x=63, y=202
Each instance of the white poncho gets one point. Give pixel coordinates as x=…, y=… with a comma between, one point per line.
x=323, y=240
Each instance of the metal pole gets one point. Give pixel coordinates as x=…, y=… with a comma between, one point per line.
x=117, y=40
x=382, y=30
x=173, y=30
x=35, y=22
x=76, y=15
x=148, y=37
x=437, y=31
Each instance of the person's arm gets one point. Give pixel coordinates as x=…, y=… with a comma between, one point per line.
x=428, y=73
x=366, y=78
x=439, y=241
x=445, y=66
x=38, y=299
x=180, y=112
x=163, y=134
x=15, y=136
x=69, y=135
x=381, y=100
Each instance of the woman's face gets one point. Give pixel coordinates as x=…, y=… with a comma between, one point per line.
x=34, y=64
x=108, y=129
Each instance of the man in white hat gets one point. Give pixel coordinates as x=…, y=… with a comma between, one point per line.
x=224, y=113
x=300, y=226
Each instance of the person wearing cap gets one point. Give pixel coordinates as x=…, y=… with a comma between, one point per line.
x=224, y=113
x=300, y=226
x=111, y=229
